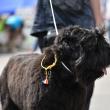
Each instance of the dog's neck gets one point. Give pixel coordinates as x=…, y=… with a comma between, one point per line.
x=57, y=61
x=69, y=65
x=67, y=61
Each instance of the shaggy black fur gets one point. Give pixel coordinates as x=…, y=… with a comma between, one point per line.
x=84, y=52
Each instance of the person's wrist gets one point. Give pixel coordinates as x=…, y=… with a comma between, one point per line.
x=99, y=21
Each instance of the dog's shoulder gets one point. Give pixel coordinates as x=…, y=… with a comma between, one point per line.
x=24, y=60
x=25, y=57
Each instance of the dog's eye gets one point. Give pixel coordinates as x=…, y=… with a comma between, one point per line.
x=72, y=40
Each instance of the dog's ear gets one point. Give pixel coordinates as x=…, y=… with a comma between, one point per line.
x=88, y=40
x=100, y=31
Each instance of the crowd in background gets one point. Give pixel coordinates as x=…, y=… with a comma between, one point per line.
x=11, y=33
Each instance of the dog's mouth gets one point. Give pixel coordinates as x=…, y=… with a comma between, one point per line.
x=104, y=71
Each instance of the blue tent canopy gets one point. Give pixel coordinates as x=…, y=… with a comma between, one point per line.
x=10, y=6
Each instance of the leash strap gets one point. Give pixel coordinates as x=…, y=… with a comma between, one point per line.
x=53, y=15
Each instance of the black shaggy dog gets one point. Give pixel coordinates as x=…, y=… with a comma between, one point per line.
x=62, y=78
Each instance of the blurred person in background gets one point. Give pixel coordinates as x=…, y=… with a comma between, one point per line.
x=85, y=13
x=14, y=29
x=106, y=14
x=3, y=39
x=2, y=24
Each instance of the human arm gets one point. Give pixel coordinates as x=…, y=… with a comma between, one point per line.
x=95, y=5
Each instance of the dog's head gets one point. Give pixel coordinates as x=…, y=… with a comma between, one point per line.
x=84, y=50
x=67, y=50
x=68, y=44
x=95, y=54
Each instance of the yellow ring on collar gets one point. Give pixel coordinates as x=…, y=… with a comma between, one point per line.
x=48, y=68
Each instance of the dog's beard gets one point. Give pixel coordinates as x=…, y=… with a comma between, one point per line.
x=87, y=74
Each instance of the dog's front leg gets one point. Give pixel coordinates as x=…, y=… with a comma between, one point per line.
x=90, y=89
